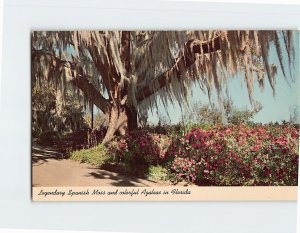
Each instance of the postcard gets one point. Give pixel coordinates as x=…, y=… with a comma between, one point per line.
x=165, y=115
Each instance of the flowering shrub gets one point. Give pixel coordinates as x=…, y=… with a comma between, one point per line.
x=221, y=156
x=139, y=149
x=238, y=155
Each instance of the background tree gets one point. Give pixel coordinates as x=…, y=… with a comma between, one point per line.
x=294, y=115
x=125, y=72
x=209, y=115
x=50, y=114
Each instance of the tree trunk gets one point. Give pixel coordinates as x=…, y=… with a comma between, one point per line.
x=121, y=120
x=122, y=117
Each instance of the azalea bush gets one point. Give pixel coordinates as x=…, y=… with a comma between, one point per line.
x=234, y=155
x=139, y=149
x=237, y=155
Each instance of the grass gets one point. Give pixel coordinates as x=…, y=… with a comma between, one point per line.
x=96, y=156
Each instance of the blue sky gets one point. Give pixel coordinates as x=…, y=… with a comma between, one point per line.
x=275, y=108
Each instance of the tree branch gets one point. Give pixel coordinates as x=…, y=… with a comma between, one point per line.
x=125, y=50
x=92, y=93
x=184, y=62
x=79, y=80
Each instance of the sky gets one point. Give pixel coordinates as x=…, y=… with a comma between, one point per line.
x=274, y=108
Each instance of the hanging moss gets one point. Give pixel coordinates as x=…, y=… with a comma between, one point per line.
x=64, y=55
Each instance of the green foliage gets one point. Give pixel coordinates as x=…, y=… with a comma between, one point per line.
x=203, y=114
x=206, y=116
x=96, y=156
x=71, y=113
x=44, y=117
x=52, y=112
x=240, y=116
x=157, y=173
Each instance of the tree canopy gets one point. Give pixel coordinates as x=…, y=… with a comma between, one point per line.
x=124, y=73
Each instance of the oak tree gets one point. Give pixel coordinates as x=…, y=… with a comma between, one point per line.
x=124, y=73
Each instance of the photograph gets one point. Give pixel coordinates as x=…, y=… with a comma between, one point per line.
x=184, y=112
x=174, y=109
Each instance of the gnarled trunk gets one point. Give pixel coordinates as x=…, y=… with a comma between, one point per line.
x=122, y=116
x=121, y=119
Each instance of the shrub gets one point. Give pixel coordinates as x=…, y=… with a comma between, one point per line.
x=157, y=173
x=238, y=155
x=97, y=155
x=221, y=156
x=140, y=149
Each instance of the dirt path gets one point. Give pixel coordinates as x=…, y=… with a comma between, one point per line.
x=50, y=168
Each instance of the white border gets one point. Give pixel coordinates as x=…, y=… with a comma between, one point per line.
x=16, y=209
